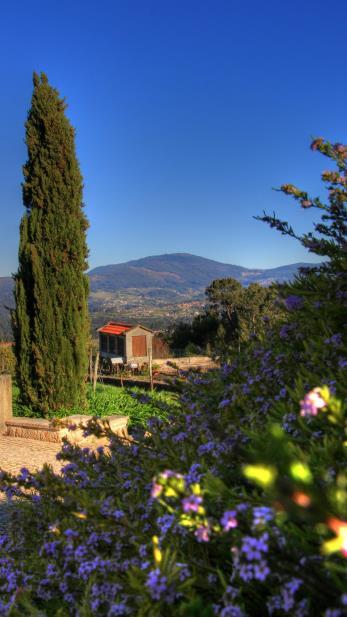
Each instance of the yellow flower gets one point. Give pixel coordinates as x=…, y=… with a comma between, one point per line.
x=80, y=515
x=300, y=471
x=157, y=554
x=340, y=542
x=262, y=474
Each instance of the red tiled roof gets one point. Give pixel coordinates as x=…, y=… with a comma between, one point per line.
x=115, y=328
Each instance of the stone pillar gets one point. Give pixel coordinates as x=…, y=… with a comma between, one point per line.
x=5, y=400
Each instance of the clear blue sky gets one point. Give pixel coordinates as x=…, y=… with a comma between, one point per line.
x=187, y=113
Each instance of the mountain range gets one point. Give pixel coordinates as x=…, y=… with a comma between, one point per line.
x=155, y=290
x=181, y=272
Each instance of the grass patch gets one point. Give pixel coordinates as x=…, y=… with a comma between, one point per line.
x=134, y=402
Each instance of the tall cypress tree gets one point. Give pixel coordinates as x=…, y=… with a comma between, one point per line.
x=50, y=322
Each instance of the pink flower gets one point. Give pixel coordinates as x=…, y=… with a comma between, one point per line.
x=317, y=143
x=191, y=503
x=306, y=203
x=156, y=490
x=340, y=148
x=312, y=402
x=229, y=520
x=202, y=534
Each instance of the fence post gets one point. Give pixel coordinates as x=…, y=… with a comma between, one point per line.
x=5, y=400
x=150, y=367
x=96, y=367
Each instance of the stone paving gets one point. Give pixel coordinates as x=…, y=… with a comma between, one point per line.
x=16, y=452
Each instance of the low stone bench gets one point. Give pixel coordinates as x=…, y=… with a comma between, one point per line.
x=32, y=428
x=55, y=430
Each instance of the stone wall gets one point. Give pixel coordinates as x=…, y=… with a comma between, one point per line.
x=202, y=363
x=5, y=400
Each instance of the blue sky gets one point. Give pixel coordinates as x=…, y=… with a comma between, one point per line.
x=187, y=114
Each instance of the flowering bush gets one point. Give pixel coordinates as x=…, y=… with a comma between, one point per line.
x=236, y=505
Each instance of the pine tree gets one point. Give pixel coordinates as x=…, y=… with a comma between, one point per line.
x=51, y=322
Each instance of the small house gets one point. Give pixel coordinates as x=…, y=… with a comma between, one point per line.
x=125, y=343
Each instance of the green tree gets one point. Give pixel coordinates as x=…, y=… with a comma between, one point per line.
x=241, y=310
x=198, y=335
x=225, y=298
x=50, y=321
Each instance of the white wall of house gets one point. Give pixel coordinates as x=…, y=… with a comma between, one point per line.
x=137, y=331
x=128, y=352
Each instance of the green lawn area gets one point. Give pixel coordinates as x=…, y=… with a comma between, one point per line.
x=134, y=402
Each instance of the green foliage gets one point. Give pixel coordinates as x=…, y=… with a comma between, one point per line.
x=50, y=322
x=241, y=310
x=110, y=400
x=7, y=359
x=200, y=333
x=233, y=314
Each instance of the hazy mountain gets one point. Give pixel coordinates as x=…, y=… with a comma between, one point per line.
x=154, y=290
x=180, y=272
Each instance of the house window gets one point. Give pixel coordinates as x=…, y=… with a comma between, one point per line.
x=103, y=342
x=120, y=348
x=112, y=344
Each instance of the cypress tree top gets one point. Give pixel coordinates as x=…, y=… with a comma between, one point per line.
x=51, y=318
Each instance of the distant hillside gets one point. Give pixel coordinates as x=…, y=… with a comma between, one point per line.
x=154, y=290
x=180, y=272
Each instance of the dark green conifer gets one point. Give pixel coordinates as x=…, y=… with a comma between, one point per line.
x=51, y=322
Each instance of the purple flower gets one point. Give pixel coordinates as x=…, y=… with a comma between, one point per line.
x=285, y=600
x=231, y=611
x=242, y=507
x=193, y=476
x=246, y=572
x=119, y=609
x=165, y=523
x=206, y=448
x=157, y=584
x=229, y=520
x=335, y=340
x=261, y=571
x=191, y=503
x=181, y=436
x=117, y=514
x=71, y=533
x=293, y=303
x=224, y=403
x=252, y=548
x=184, y=572
x=262, y=515
x=283, y=392
x=24, y=474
